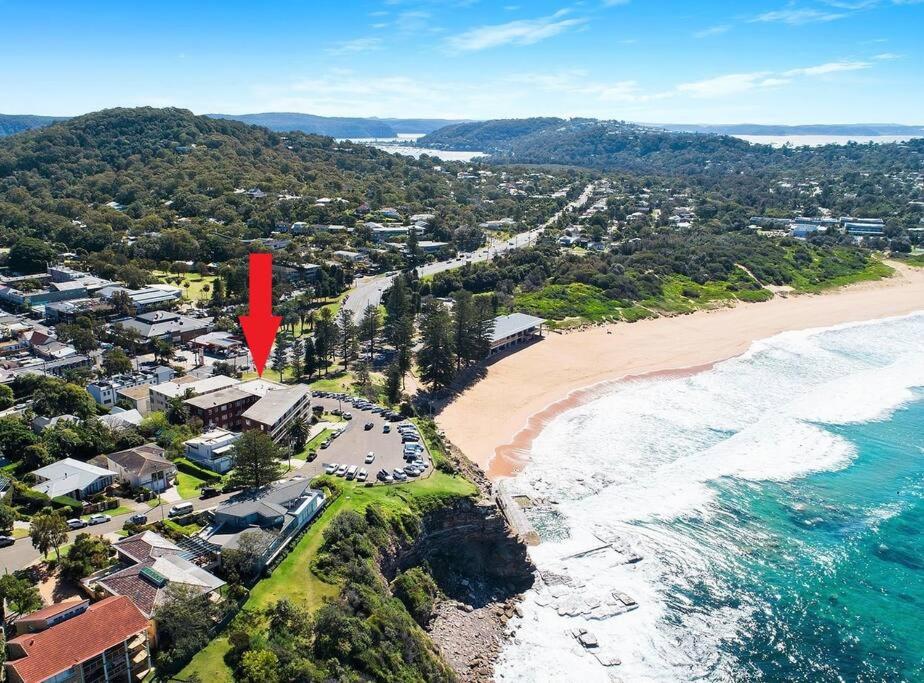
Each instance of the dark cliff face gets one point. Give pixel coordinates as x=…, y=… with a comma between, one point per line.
x=470, y=552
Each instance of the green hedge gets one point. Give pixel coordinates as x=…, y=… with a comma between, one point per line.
x=68, y=502
x=194, y=470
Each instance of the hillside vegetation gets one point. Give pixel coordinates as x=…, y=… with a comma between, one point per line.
x=615, y=145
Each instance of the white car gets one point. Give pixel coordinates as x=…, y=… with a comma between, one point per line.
x=370, y=457
x=361, y=476
x=341, y=471
x=331, y=468
x=76, y=523
x=98, y=518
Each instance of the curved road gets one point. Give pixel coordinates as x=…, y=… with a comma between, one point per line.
x=368, y=290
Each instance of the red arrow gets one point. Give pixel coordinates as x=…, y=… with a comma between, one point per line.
x=261, y=325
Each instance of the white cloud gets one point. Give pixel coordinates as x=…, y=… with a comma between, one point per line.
x=712, y=31
x=520, y=32
x=729, y=84
x=798, y=17
x=356, y=45
x=828, y=68
x=614, y=3
x=886, y=56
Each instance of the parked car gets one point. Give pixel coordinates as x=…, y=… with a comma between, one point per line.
x=98, y=518
x=362, y=474
x=326, y=443
x=348, y=416
x=6, y=540
x=370, y=457
x=351, y=472
x=138, y=518
x=180, y=509
x=386, y=429
x=76, y=523
x=209, y=492
x=330, y=468
x=341, y=471
x=368, y=426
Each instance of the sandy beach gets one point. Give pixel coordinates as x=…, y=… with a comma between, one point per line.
x=495, y=421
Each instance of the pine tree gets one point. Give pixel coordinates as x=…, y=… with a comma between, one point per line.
x=346, y=336
x=256, y=460
x=393, y=381
x=298, y=357
x=436, y=357
x=369, y=328
x=281, y=355
x=325, y=338
x=412, y=248
x=311, y=358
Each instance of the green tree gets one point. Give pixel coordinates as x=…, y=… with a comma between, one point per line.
x=256, y=460
x=7, y=397
x=280, y=357
x=184, y=621
x=30, y=255
x=346, y=336
x=89, y=553
x=116, y=362
x=298, y=357
x=311, y=358
x=21, y=596
x=393, y=383
x=369, y=328
x=7, y=517
x=298, y=434
x=48, y=531
x=259, y=666
x=436, y=357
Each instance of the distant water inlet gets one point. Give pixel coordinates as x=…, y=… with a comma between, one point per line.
x=757, y=521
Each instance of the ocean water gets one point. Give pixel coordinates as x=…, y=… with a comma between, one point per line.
x=776, y=501
x=818, y=140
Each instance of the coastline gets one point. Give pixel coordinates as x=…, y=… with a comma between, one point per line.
x=495, y=421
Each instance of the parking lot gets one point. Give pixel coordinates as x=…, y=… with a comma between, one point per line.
x=351, y=447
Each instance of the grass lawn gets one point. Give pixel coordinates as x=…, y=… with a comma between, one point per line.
x=876, y=270
x=192, y=284
x=916, y=261
x=121, y=510
x=188, y=485
x=293, y=578
x=338, y=382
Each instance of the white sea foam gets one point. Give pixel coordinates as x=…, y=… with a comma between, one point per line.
x=641, y=466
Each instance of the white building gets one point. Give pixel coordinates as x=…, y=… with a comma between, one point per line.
x=212, y=449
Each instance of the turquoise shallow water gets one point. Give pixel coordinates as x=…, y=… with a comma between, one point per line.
x=776, y=501
x=837, y=583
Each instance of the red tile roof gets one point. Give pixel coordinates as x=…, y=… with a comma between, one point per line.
x=104, y=624
x=51, y=610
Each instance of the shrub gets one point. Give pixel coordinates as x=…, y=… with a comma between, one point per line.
x=417, y=590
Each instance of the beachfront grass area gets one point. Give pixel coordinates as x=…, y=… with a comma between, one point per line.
x=293, y=578
x=916, y=261
x=837, y=268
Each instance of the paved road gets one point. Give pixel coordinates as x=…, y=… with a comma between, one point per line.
x=22, y=554
x=368, y=290
x=350, y=448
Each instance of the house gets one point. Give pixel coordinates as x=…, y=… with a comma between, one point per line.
x=35, y=366
x=187, y=386
x=139, y=398
x=351, y=256
x=141, y=467
x=212, y=449
x=148, y=563
x=107, y=392
x=513, y=329
x=220, y=344
x=431, y=247
x=222, y=408
x=105, y=641
x=167, y=325
x=69, y=477
x=119, y=418
x=40, y=423
x=280, y=510
x=146, y=298
x=275, y=412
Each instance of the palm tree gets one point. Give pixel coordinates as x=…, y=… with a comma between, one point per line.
x=298, y=434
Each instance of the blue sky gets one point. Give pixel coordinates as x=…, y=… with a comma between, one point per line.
x=767, y=61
